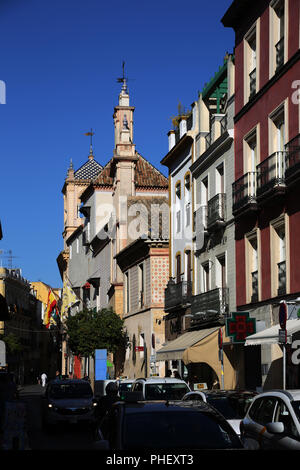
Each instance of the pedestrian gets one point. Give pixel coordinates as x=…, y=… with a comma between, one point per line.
x=104, y=420
x=106, y=402
x=57, y=375
x=44, y=379
x=216, y=385
x=168, y=373
x=177, y=375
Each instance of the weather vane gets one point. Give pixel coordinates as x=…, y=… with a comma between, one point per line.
x=123, y=78
x=91, y=134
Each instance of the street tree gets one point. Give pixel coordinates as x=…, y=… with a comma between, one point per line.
x=90, y=329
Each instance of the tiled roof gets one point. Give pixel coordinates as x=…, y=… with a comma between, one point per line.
x=88, y=171
x=105, y=178
x=146, y=175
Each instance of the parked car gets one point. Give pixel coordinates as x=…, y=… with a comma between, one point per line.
x=232, y=404
x=160, y=388
x=68, y=401
x=272, y=421
x=165, y=425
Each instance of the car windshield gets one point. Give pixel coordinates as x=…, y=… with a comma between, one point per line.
x=296, y=407
x=65, y=390
x=165, y=391
x=177, y=429
x=226, y=406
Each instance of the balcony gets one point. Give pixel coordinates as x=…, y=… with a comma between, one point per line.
x=271, y=177
x=244, y=194
x=292, y=160
x=279, y=53
x=177, y=295
x=281, y=270
x=216, y=212
x=252, y=83
x=200, y=226
x=210, y=306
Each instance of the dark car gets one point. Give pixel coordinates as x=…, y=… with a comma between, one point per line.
x=165, y=425
x=68, y=401
x=232, y=404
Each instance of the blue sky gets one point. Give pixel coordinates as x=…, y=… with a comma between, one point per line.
x=60, y=61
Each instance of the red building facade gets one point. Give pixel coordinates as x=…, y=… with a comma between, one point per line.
x=266, y=191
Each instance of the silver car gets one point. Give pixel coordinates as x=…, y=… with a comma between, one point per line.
x=68, y=401
x=273, y=421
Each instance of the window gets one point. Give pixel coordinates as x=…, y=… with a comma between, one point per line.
x=204, y=191
x=141, y=280
x=278, y=257
x=178, y=268
x=187, y=182
x=188, y=214
x=178, y=221
x=188, y=265
x=205, y=277
x=277, y=130
x=250, y=64
x=250, y=162
x=178, y=190
x=251, y=152
x=221, y=271
x=265, y=412
x=187, y=197
x=252, y=272
x=127, y=293
x=278, y=34
x=283, y=415
x=220, y=188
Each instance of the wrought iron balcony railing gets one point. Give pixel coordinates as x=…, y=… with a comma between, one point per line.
x=271, y=172
x=281, y=278
x=216, y=211
x=244, y=191
x=252, y=83
x=279, y=53
x=210, y=306
x=292, y=157
x=177, y=294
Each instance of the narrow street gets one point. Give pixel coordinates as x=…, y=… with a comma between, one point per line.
x=77, y=437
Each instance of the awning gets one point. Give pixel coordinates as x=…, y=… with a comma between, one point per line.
x=174, y=350
x=271, y=335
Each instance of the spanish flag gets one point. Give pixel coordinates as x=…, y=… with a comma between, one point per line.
x=51, y=309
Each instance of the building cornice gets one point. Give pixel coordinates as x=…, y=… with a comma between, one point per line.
x=176, y=151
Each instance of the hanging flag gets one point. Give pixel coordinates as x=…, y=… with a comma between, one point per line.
x=51, y=312
x=68, y=299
